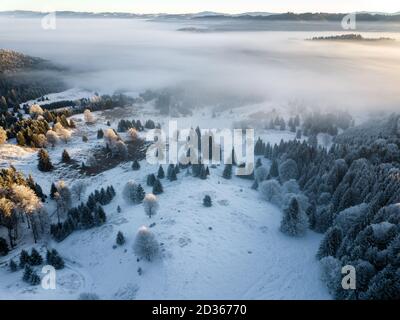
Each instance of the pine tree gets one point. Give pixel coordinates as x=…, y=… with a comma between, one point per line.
x=100, y=134
x=157, y=188
x=34, y=279
x=170, y=169
x=151, y=178
x=139, y=194
x=13, y=266
x=331, y=242
x=227, y=174
x=258, y=163
x=294, y=222
x=3, y=246
x=35, y=259
x=54, y=259
x=99, y=216
x=177, y=170
x=65, y=157
x=53, y=191
x=27, y=273
x=274, y=171
x=203, y=173
x=135, y=165
x=24, y=259
x=172, y=176
x=120, y=238
x=207, y=202
x=160, y=173
x=86, y=218
x=44, y=164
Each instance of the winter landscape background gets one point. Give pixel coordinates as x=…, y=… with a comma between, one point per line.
x=324, y=194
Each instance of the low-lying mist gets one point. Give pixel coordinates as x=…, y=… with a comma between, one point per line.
x=216, y=67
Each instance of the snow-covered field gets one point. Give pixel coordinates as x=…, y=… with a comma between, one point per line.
x=232, y=250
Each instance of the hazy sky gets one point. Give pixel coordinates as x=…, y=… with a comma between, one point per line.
x=179, y=6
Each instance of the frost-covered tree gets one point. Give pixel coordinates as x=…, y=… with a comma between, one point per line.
x=260, y=174
x=331, y=242
x=331, y=274
x=110, y=137
x=271, y=191
x=36, y=110
x=65, y=196
x=132, y=134
x=150, y=204
x=288, y=170
x=274, y=170
x=78, y=189
x=3, y=135
x=291, y=186
x=52, y=137
x=27, y=202
x=157, y=187
x=294, y=221
x=146, y=245
x=89, y=117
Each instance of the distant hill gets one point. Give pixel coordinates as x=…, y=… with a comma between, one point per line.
x=11, y=61
x=265, y=16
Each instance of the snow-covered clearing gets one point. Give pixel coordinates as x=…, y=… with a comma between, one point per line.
x=232, y=250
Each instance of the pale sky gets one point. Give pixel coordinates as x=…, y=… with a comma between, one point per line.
x=182, y=6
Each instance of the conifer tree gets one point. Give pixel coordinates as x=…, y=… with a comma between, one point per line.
x=172, y=176
x=274, y=170
x=44, y=164
x=54, y=259
x=120, y=238
x=151, y=178
x=24, y=259
x=135, y=165
x=160, y=173
x=157, y=187
x=13, y=266
x=331, y=242
x=3, y=246
x=227, y=174
x=35, y=258
x=53, y=191
x=207, y=202
x=294, y=221
x=65, y=157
